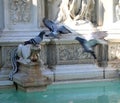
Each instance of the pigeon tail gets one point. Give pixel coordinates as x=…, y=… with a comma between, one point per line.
x=93, y=54
x=81, y=40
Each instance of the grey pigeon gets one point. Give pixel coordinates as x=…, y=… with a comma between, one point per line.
x=88, y=45
x=36, y=40
x=55, y=30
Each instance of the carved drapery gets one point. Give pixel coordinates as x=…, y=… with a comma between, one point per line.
x=76, y=10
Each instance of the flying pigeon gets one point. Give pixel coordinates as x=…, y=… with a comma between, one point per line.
x=55, y=30
x=35, y=41
x=88, y=45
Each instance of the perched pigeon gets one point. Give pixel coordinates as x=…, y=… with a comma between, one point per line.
x=36, y=40
x=88, y=45
x=55, y=30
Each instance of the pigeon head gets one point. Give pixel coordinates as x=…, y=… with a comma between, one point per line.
x=41, y=33
x=44, y=19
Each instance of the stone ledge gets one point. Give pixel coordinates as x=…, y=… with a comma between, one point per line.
x=80, y=72
x=16, y=40
x=113, y=37
x=3, y=77
x=6, y=83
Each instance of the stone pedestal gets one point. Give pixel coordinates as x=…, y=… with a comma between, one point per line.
x=30, y=78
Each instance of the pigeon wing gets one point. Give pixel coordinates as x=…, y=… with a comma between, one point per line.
x=63, y=30
x=36, y=40
x=50, y=24
x=94, y=42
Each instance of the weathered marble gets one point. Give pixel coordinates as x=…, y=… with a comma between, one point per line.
x=30, y=77
x=23, y=15
x=20, y=24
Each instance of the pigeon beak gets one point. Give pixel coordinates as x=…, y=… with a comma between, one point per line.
x=47, y=35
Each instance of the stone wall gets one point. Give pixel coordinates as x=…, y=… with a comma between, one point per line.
x=56, y=52
x=114, y=53
x=67, y=52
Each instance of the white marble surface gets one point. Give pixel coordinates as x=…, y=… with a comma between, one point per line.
x=80, y=72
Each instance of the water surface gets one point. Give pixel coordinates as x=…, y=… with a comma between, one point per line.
x=90, y=92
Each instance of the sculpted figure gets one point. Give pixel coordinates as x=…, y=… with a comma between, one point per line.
x=75, y=10
x=25, y=54
x=28, y=53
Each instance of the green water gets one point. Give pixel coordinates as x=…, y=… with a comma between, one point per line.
x=90, y=92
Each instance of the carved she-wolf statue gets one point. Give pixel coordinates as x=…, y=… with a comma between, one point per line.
x=26, y=53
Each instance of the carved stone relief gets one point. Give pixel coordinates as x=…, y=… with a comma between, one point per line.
x=20, y=11
x=114, y=51
x=7, y=56
x=73, y=53
x=114, y=55
x=23, y=15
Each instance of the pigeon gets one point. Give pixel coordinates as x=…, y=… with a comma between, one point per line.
x=35, y=41
x=55, y=30
x=88, y=45
x=50, y=24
